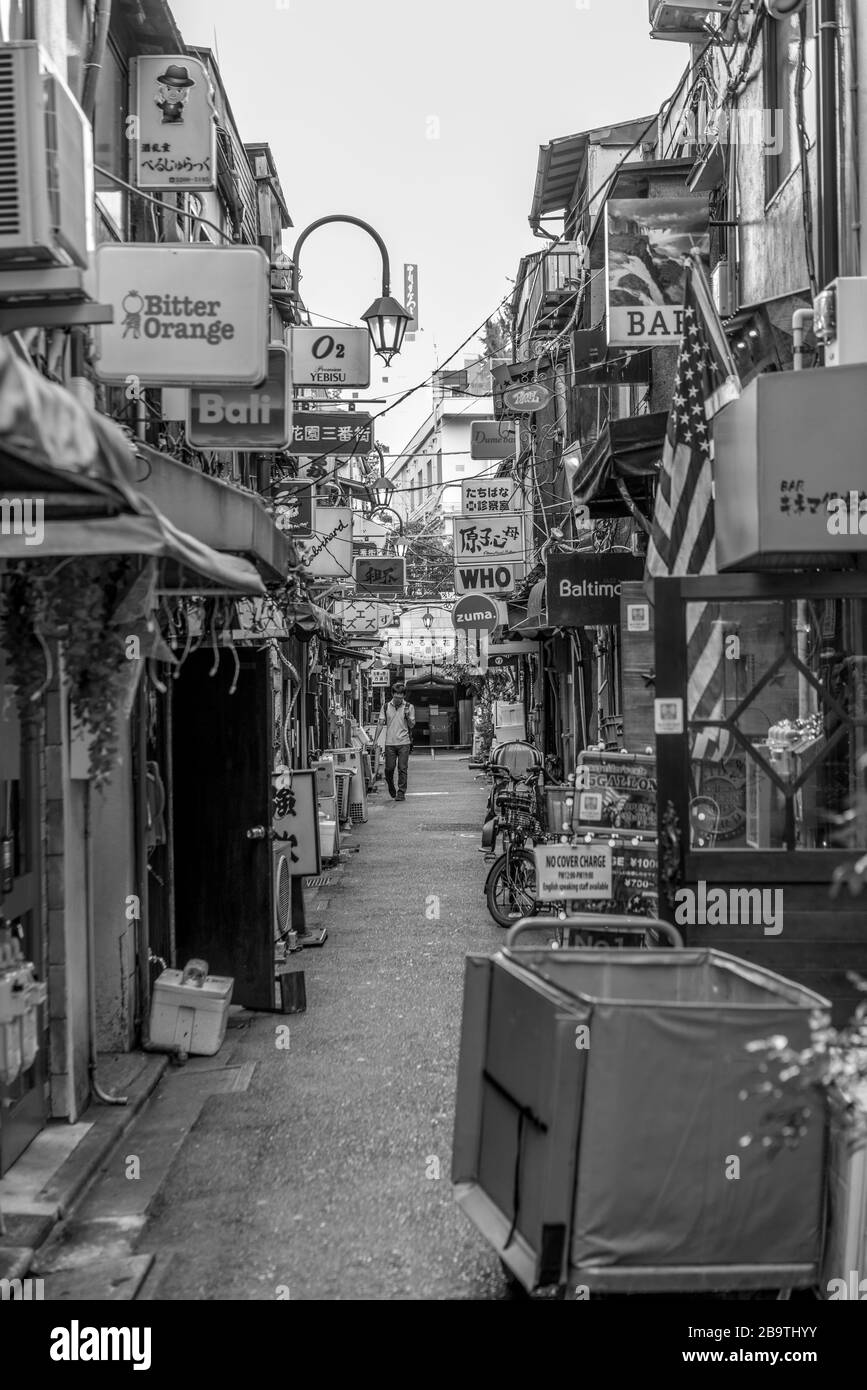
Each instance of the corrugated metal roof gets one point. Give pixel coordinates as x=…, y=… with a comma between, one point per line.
x=560, y=163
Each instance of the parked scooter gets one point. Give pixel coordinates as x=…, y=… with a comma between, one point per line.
x=510, y=764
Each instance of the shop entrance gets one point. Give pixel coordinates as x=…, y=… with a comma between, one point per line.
x=22, y=1103
x=221, y=753
x=763, y=790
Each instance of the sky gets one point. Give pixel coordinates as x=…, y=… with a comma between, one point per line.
x=424, y=120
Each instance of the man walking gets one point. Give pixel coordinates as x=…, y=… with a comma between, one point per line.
x=398, y=720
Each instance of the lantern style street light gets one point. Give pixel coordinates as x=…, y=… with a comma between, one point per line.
x=386, y=319
x=427, y=619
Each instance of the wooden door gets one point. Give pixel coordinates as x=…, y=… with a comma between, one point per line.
x=221, y=768
x=23, y=1107
x=764, y=790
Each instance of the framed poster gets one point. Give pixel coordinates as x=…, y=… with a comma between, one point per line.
x=296, y=820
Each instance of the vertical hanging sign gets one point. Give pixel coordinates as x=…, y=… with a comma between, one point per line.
x=410, y=296
x=176, y=123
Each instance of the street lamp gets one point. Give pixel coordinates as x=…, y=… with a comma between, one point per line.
x=427, y=619
x=386, y=319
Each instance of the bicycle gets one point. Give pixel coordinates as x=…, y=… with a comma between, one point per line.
x=510, y=888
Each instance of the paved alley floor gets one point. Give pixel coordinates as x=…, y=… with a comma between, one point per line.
x=319, y=1180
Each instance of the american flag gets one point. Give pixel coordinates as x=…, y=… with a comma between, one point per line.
x=683, y=537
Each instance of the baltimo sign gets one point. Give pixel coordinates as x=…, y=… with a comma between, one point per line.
x=583, y=588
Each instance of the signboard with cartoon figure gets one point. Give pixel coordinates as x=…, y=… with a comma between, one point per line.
x=175, y=129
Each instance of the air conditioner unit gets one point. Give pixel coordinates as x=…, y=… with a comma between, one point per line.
x=840, y=321
x=723, y=287
x=687, y=21
x=46, y=165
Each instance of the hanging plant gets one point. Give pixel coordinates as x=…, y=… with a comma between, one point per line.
x=71, y=603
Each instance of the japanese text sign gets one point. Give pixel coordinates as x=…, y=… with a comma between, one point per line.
x=489, y=497
x=501, y=536
x=175, y=130
x=296, y=819
x=410, y=296
x=381, y=575
x=319, y=432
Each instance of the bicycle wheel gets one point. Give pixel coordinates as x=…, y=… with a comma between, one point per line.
x=511, y=887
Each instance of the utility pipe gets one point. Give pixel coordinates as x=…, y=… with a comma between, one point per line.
x=801, y=320
x=827, y=147
x=93, y=64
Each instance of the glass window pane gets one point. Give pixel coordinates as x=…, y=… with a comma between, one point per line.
x=777, y=721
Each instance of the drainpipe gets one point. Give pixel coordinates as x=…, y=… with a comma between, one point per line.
x=801, y=320
x=95, y=1088
x=827, y=149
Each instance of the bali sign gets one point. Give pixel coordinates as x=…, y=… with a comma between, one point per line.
x=183, y=315
x=647, y=241
x=241, y=417
x=175, y=129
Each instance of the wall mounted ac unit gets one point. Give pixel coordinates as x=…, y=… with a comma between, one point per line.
x=46, y=165
x=685, y=21
x=840, y=320
x=723, y=287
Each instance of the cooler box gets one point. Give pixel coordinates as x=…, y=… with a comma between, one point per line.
x=190, y=1016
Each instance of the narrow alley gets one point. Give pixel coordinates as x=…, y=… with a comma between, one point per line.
x=328, y=1176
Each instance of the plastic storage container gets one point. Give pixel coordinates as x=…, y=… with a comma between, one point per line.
x=190, y=1016
x=599, y=1117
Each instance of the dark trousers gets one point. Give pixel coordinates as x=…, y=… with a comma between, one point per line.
x=396, y=753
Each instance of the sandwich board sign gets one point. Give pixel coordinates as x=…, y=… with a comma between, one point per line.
x=487, y=577
x=334, y=357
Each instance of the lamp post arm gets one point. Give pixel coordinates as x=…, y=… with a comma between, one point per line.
x=356, y=222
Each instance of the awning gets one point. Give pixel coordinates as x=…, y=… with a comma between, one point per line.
x=220, y=515
x=628, y=449
x=346, y=653
x=52, y=446
x=534, y=619
x=560, y=163
x=193, y=566
x=312, y=621
x=81, y=468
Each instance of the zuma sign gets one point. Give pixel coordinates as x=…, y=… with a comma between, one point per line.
x=183, y=315
x=583, y=589
x=240, y=418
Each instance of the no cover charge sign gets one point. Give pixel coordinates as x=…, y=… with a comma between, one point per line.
x=573, y=871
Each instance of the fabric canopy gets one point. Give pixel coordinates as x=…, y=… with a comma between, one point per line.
x=129, y=534
x=627, y=449
x=535, y=619
x=50, y=442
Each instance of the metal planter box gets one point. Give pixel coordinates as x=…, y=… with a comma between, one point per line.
x=610, y=1165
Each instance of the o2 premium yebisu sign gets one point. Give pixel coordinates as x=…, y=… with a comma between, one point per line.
x=183, y=315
